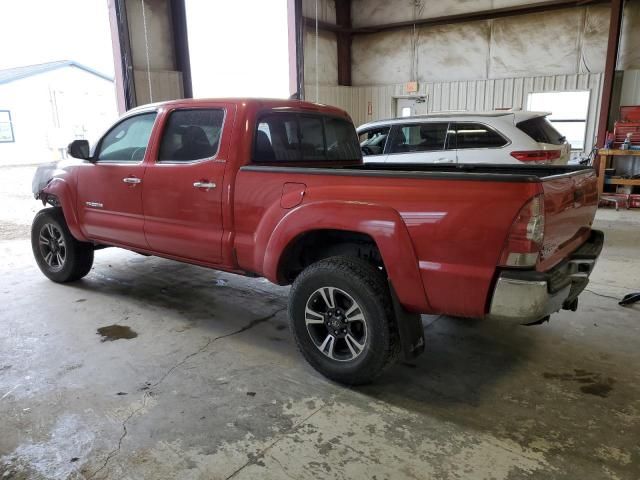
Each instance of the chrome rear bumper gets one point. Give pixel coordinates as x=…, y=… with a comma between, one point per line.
x=529, y=296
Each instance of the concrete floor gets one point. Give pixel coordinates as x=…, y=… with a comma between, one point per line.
x=213, y=388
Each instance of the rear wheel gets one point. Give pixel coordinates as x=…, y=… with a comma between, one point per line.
x=341, y=317
x=58, y=254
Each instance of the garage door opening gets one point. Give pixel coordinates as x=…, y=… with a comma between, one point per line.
x=238, y=49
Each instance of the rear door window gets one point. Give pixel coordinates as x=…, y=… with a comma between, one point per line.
x=476, y=135
x=191, y=135
x=372, y=141
x=285, y=137
x=541, y=130
x=420, y=137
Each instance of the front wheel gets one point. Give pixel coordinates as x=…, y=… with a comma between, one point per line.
x=58, y=254
x=341, y=317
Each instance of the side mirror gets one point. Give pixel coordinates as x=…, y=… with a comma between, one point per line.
x=79, y=149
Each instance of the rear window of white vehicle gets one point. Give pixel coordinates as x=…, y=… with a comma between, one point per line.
x=475, y=135
x=541, y=130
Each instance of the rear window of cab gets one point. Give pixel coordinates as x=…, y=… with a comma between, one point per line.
x=302, y=137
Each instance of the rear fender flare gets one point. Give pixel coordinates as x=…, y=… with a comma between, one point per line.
x=383, y=224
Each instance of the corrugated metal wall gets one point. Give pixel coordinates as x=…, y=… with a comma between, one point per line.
x=630, y=94
x=471, y=95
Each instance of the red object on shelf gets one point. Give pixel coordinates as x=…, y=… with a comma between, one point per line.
x=634, y=201
x=620, y=131
x=629, y=123
x=630, y=113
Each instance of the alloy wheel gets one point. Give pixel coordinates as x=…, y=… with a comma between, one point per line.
x=336, y=324
x=52, y=247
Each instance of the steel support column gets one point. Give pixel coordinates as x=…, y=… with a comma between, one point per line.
x=343, y=20
x=123, y=60
x=613, y=43
x=181, y=45
x=296, y=48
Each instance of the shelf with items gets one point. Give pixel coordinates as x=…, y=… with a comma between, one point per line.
x=606, y=155
x=622, y=181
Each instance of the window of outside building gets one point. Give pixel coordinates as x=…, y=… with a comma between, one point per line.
x=6, y=127
x=569, y=112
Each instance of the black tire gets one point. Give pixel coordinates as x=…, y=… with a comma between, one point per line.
x=70, y=259
x=355, y=280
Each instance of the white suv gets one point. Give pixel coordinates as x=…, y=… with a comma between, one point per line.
x=493, y=137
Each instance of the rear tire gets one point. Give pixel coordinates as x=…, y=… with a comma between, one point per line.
x=58, y=254
x=341, y=317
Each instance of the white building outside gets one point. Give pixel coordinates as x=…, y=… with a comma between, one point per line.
x=44, y=107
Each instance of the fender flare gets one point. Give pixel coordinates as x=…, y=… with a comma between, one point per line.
x=60, y=189
x=383, y=224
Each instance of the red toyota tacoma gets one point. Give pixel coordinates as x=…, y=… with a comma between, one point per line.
x=278, y=189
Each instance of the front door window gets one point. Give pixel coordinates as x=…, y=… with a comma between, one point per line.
x=128, y=140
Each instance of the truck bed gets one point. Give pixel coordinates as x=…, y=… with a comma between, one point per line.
x=458, y=216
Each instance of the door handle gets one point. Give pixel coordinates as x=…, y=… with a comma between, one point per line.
x=204, y=184
x=131, y=180
x=444, y=160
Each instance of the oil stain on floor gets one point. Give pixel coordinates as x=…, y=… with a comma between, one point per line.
x=593, y=383
x=116, y=332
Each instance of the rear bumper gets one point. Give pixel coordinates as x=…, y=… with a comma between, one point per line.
x=529, y=296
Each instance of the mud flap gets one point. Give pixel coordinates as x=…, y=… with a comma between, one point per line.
x=409, y=328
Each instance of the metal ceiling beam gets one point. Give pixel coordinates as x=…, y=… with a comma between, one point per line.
x=615, y=21
x=329, y=27
x=537, y=7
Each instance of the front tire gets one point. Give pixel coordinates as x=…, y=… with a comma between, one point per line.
x=58, y=254
x=341, y=317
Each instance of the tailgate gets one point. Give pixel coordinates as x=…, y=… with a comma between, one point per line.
x=570, y=203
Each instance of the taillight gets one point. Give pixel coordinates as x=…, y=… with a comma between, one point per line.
x=525, y=238
x=537, y=156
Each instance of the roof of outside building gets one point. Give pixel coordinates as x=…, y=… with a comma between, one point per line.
x=11, y=74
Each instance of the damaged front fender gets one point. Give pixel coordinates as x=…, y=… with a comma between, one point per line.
x=51, y=185
x=43, y=175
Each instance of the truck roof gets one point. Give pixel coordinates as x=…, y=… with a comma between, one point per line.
x=252, y=103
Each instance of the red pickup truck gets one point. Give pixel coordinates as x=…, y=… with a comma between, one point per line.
x=278, y=189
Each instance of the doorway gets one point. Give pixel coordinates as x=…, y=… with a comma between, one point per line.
x=411, y=106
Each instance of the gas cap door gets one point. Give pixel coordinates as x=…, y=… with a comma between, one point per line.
x=292, y=194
